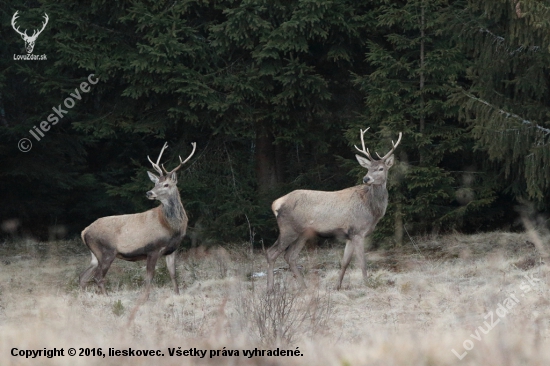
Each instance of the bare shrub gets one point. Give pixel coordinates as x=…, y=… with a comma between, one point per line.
x=284, y=315
x=191, y=267
x=222, y=260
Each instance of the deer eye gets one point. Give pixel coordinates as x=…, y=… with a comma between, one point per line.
x=166, y=185
x=380, y=169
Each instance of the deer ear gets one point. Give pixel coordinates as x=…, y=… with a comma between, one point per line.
x=389, y=161
x=153, y=177
x=365, y=163
x=174, y=177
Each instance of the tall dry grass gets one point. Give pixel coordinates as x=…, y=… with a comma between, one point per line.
x=418, y=305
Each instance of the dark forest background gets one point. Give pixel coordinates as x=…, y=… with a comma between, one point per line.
x=274, y=93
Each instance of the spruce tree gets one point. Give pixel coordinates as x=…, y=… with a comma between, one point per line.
x=505, y=100
x=414, y=66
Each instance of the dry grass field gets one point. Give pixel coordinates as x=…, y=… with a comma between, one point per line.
x=454, y=292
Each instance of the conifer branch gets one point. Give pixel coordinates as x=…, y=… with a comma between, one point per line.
x=508, y=114
x=499, y=41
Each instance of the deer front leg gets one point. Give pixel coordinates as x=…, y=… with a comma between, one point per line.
x=348, y=252
x=359, y=247
x=151, y=263
x=171, y=264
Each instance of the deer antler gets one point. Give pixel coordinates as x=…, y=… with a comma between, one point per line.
x=13, y=19
x=366, y=151
x=393, y=148
x=182, y=161
x=35, y=33
x=156, y=165
x=43, y=26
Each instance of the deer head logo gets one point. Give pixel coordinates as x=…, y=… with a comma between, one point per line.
x=29, y=40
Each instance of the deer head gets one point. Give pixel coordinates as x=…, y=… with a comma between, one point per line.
x=29, y=40
x=377, y=169
x=165, y=183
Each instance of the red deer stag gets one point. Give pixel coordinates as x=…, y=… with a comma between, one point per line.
x=146, y=235
x=349, y=214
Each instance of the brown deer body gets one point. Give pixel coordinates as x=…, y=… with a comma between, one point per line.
x=350, y=214
x=147, y=235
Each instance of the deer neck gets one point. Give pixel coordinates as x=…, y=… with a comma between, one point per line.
x=173, y=212
x=376, y=199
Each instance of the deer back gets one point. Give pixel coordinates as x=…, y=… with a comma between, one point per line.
x=130, y=233
x=354, y=209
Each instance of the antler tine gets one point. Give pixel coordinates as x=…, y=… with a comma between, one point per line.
x=162, y=151
x=13, y=19
x=156, y=165
x=194, y=144
x=365, y=151
x=393, y=148
x=46, y=18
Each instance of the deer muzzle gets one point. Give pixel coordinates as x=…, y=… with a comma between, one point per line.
x=367, y=180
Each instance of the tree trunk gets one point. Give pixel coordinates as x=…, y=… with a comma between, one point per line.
x=398, y=235
x=422, y=82
x=266, y=161
x=3, y=113
x=422, y=57
x=279, y=163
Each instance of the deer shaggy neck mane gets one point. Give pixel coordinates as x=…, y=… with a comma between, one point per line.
x=172, y=215
x=375, y=197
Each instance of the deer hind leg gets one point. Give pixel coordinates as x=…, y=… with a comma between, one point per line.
x=105, y=262
x=291, y=255
x=171, y=264
x=273, y=253
x=87, y=274
x=346, y=259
